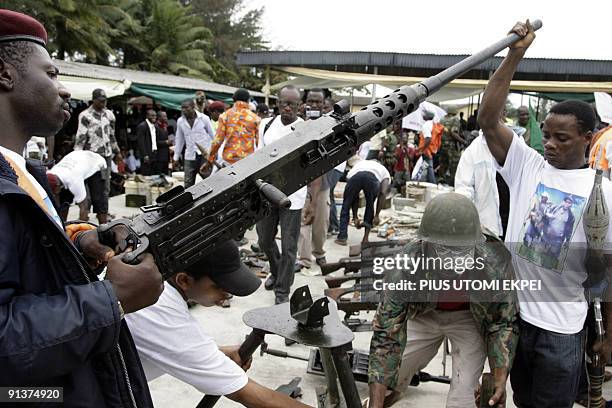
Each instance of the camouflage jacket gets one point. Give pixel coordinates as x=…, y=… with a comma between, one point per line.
x=495, y=312
x=451, y=124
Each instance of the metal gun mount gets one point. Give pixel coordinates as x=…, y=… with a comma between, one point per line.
x=309, y=314
x=187, y=224
x=309, y=323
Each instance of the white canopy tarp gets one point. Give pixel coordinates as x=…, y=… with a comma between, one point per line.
x=458, y=89
x=603, y=104
x=415, y=120
x=319, y=78
x=81, y=88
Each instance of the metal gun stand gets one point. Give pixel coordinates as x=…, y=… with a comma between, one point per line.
x=314, y=324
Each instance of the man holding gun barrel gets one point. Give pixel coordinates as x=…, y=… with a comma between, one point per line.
x=549, y=357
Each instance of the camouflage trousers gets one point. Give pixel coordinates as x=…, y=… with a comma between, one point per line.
x=449, y=160
x=425, y=334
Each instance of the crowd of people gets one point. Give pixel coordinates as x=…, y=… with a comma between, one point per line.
x=74, y=315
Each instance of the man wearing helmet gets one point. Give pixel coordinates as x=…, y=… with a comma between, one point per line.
x=410, y=325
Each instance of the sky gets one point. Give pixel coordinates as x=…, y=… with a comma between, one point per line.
x=571, y=29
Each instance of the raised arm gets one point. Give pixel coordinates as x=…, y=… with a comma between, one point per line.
x=497, y=134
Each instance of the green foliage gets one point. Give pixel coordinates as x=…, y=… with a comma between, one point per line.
x=173, y=39
x=197, y=38
x=77, y=29
x=234, y=28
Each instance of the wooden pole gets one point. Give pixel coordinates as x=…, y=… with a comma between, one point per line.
x=267, y=86
x=374, y=86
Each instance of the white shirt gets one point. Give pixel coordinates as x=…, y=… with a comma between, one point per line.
x=38, y=146
x=364, y=149
x=20, y=161
x=371, y=166
x=560, y=306
x=475, y=178
x=427, y=129
x=170, y=341
x=187, y=136
x=75, y=168
x=341, y=167
x=275, y=132
x=153, y=135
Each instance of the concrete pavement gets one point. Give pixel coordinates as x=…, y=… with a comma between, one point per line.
x=226, y=327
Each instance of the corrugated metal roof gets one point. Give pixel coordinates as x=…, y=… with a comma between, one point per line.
x=420, y=61
x=84, y=70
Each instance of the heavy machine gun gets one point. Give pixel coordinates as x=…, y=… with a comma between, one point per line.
x=186, y=224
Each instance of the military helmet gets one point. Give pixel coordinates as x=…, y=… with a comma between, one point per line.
x=451, y=219
x=451, y=109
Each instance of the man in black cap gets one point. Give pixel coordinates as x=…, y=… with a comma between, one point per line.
x=171, y=341
x=96, y=132
x=61, y=326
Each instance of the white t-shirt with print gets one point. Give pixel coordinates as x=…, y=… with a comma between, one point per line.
x=276, y=131
x=546, y=206
x=76, y=167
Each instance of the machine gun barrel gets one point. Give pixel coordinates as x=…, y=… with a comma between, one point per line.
x=186, y=224
x=434, y=83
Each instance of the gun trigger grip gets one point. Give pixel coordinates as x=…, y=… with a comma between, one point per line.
x=132, y=256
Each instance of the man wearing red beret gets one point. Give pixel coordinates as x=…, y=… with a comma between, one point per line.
x=60, y=325
x=215, y=109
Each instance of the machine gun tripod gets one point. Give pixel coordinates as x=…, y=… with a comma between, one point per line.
x=312, y=323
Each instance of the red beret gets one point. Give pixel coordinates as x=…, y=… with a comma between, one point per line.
x=54, y=181
x=20, y=27
x=216, y=105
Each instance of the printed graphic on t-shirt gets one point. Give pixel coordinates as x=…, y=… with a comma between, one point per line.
x=548, y=227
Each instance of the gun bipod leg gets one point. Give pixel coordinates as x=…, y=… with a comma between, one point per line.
x=332, y=399
x=345, y=376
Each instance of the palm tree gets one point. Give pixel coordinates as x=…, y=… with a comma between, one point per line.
x=152, y=35
x=77, y=29
x=176, y=39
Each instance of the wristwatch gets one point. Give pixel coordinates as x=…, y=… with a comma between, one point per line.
x=121, y=312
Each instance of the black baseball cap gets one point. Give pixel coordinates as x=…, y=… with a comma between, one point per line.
x=98, y=94
x=226, y=270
